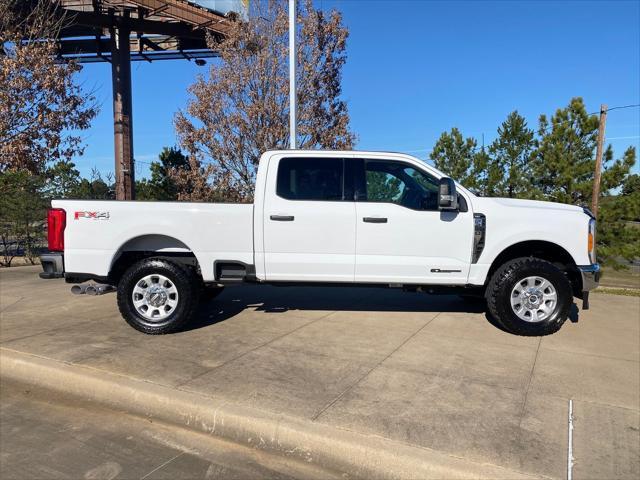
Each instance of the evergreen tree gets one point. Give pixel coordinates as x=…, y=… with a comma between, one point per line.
x=509, y=171
x=563, y=163
x=455, y=155
x=22, y=210
x=95, y=187
x=62, y=180
x=616, y=237
x=161, y=186
x=487, y=173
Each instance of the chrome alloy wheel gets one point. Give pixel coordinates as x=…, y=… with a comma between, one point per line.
x=533, y=299
x=155, y=297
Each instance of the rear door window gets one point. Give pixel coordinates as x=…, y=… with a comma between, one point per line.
x=311, y=179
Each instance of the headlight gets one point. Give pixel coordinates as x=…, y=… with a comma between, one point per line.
x=591, y=240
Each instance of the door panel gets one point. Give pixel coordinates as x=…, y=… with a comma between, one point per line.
x=405, y=239
x=309, y=223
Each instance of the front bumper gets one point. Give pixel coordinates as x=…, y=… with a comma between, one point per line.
x=52, y=265
x=590, y=276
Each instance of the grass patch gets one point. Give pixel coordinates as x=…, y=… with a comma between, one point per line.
x=628, y=292
x=621, y=279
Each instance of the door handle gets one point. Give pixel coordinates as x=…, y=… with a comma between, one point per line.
x=374, y=220
x=282, y=218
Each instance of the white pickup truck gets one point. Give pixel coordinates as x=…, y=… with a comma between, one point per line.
x=332, y=217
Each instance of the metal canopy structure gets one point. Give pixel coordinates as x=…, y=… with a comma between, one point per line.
x=122, y=31
x=158, y=29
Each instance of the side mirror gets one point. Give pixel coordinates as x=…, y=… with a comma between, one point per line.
x=447, y=195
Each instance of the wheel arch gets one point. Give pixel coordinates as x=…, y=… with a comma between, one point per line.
x=546, y=250
x=151, y=245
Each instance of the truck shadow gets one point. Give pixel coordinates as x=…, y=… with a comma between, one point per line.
x=272, y=299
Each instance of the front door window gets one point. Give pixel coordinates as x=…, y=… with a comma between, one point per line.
x=401, y=184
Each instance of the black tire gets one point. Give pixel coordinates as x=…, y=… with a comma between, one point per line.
x=502, y=285
x=186, y=296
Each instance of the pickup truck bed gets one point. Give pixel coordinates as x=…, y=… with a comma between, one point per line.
x=212, y=231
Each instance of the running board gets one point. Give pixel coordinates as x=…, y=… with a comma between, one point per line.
x=232, y=272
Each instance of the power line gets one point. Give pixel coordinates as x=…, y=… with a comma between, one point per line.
x=589, y=114
x=619, y=107
x=623, y=106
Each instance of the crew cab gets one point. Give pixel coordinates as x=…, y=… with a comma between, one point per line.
x=332, y=217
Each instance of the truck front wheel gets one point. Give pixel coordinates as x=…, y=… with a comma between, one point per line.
x=157, y=296
x=529, y=296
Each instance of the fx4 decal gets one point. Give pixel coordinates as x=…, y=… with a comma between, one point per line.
x=92, y=215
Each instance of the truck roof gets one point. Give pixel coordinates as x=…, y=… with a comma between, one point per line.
x=339, y=152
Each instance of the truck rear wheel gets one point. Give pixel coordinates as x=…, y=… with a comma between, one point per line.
x=157, y=296
x=529, y=296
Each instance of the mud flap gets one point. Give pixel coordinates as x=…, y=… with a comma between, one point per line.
x=585, y=300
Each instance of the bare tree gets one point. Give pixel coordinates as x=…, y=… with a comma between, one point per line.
x=241, y=109
x=41, y=107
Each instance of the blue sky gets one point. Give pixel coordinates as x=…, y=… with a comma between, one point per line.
x=417, y=68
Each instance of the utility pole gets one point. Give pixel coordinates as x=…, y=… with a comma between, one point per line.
x=292, y=74
x=596, y=177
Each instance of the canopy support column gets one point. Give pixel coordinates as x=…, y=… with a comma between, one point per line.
x=122, y=109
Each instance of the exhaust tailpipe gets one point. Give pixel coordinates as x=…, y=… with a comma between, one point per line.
x=92, y=289
x=99, y=289
x=79, y=289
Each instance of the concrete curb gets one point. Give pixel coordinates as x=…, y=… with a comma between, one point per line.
x=349, y=453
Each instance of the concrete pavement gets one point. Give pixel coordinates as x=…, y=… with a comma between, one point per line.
x=420, y=371
x=45, y=436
